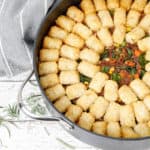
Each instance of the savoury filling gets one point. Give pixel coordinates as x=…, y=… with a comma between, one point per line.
x=124, y=63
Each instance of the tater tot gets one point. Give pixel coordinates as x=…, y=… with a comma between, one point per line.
x=146, y=78
x=86, y=121
x=145, y=22
x=62, y=104
x=98, y=82
x=89, y=55
x=119, y=34
x=111, y=90
x=113, y=129
x=73, y=113
x=49, y=54
x=128, y=132
x=97, y=46
x=147, y=101
x=47, y=67
x=87, y=6
x=75, y=13
x=142, y=129
x=51, y=43
x=98, y=108
x=67, y=64
x=65, y=23
x=127, y=95
x=55, y=92
x=147, y=55
x=57, y=32
x=100, y=5
x=93, y=22
x=139, y=5
x=139, y=88
x=144, y=44
x=88, y=69
x=125, y=4
x=99, y=127
x=147, y=8
x=49, y=80
x=127, y=117
x=147, y=67
x=141, y=112
x=134, y=35
x=75, y=90
x=112, y=4
x=112, y=112
x=133, y=18
x=119, y=16
x=69, y=77
x=74, y=40
x=105, y=18
x=69, y=52
x=86, y=100
x=105, y=36
x=82, y=30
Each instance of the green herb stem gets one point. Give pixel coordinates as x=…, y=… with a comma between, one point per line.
x=84, y=78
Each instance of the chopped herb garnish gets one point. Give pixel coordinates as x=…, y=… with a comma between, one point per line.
x=127, y=60
x=105, y=69
x=142, y=60
x=84, y=78
x=116, y=77
x=142, y=73
x=104, y=55
x=131, y=70
x=130, y=52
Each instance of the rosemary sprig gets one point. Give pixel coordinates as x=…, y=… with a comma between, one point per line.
x=33, y=98
x=12, y=111
x=38, y=109
x=33, y=101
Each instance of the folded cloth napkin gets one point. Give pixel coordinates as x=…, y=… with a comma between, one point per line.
x=19, y=21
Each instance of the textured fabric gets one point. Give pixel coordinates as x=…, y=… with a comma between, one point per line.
x=19, y=21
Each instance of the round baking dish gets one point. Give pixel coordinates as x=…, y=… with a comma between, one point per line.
x=59, y=7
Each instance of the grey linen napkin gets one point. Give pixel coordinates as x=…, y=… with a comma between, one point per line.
x=19, y=21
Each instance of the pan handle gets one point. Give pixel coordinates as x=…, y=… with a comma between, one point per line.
x=22, y=107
